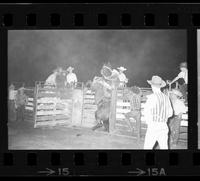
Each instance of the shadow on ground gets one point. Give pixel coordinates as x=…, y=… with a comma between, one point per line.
x=23, y=136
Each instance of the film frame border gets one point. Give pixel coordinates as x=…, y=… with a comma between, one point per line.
x=102, y=16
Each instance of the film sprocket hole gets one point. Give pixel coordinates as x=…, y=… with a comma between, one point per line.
x=95, y=89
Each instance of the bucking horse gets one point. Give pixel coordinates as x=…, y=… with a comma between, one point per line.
x=103, y=90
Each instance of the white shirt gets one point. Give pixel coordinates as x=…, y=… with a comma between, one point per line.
x=122, y=78
x=152, y=103
x=179, y=107
x=51, y=79
x=71, y=77
x=12, y=94
x=115, y=72
x=183, y=75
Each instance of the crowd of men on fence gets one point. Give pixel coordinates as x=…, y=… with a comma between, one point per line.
x=161, y=106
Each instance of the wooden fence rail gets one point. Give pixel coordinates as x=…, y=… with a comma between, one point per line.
x=79, y=108
x=50, y=109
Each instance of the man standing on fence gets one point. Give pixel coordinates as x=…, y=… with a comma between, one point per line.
x=179, y=109
x=21, y=102
x=122, y=77
x=183, y=75
x=71, y=77
x=157, y=110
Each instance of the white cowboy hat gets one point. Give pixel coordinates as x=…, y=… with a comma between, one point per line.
x=176, y=92
x=122, y=69
x=157, y=81
x=70, y=68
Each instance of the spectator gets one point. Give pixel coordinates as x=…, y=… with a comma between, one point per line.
x=21, y=102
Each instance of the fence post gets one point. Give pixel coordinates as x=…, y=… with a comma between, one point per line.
x=35, y=105
x=112, y=117
x=138, y=122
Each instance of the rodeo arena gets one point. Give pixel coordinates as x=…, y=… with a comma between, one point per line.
x=102, y=113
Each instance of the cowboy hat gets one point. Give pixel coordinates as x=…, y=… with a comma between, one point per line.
x=70, y=68
x=157, y=81
x=183, y=65
x=176, y=92
x=122, y=69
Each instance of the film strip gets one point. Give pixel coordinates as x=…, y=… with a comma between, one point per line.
x=37, y=146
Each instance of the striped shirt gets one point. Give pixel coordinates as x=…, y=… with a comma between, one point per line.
x=158, y=108
x=135, y=102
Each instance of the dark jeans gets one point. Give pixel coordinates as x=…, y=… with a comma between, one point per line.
x=174, y=126
x=183, y=89
x=20, y=113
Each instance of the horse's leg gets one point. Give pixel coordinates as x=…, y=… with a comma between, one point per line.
x=106, y=125
x=99, y=124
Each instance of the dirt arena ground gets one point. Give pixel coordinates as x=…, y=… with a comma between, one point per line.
x=23, y=136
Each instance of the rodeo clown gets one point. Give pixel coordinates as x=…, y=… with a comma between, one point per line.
x=122, y=77
x=183, y=75
x=71, y=79
x=157, y=110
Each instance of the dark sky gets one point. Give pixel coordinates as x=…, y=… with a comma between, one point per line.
x=33, y=54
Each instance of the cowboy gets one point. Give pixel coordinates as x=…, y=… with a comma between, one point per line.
x=60, y=82
x=11, y=102
x=51, y=80
x=103, y=91
x=157, y=110
x=111, y=76
x=134, y=97
x=183, y=75
x=71, y=78
x=179, y=108
x=21, y=102
x=60, y=78
x=122, y=77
